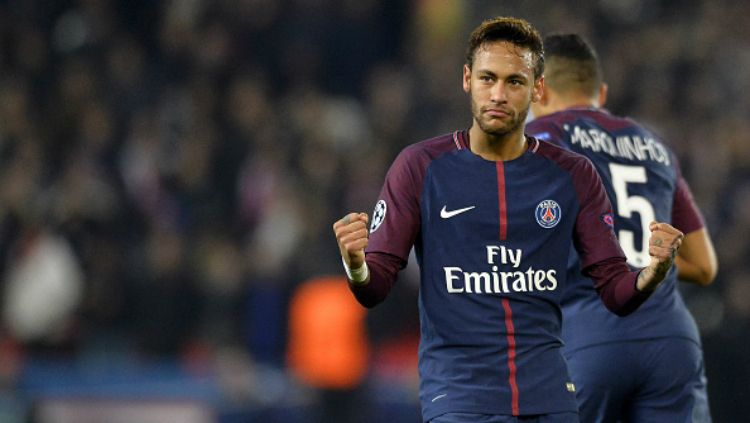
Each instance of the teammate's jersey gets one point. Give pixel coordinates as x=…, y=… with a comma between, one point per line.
x=493, y=240
x=643, y=182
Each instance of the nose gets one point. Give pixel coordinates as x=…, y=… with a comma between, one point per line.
x=497, y=93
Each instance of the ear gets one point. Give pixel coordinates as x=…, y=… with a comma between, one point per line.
x=602, y=94
x=544, y=98
x=467, y=78
x=538, y=90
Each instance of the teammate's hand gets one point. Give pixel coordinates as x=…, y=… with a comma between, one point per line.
x=351, y=235
x=663, y=245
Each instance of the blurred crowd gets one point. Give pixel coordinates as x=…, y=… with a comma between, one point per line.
x=170, y=171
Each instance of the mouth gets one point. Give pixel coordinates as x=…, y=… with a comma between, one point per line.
x=497, y=113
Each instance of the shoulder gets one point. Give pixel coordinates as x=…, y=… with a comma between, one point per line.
x=420, y=154
x=579, y=167
x=584, y=178
x=435, y=146
x=545, y=128
x=553, y=127
x=562, y=117
x=590, y=116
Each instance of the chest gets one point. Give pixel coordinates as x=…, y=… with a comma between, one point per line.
x=521, y=202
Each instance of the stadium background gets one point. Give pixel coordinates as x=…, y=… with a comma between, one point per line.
x=169, y=173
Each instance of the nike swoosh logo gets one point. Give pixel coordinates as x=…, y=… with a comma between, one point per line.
x=445, y=214
x=439, y=397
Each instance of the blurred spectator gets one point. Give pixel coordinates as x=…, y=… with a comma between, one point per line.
x=43, y=290
x=167, y=306
x=328, y=348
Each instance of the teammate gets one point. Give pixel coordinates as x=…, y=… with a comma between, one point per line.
x=491, y=214
x=646, y=367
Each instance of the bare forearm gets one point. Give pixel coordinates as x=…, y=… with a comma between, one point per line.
x=616, y=285
x=650, y=277
x=690, y=272
x=696, y=261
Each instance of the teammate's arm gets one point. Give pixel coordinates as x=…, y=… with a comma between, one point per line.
x=696, y=261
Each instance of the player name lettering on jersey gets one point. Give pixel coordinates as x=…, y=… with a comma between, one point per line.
x=634, y=147
x=495, y=281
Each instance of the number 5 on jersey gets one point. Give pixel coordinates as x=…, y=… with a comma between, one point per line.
x=629, y=204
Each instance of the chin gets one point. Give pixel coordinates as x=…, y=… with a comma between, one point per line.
x=496, y=130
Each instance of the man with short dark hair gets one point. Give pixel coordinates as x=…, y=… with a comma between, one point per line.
x=648, y=366
x=491, y=214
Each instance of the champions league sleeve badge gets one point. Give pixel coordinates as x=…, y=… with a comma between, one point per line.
x=548, y=214
x=378, y=215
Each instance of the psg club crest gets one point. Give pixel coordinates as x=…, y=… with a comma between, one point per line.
x=548, y=213
x=378, y=215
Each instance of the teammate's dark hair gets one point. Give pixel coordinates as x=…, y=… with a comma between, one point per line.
x=572, y=64
x=513, y=30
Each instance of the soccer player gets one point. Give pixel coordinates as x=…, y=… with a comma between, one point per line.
x=493, y=215
x=648, y=366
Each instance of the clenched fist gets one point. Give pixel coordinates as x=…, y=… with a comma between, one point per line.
x=663, y=244
x=352, y=235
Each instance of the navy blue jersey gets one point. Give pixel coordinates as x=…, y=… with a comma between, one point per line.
x=492, y=240
x=643, y=181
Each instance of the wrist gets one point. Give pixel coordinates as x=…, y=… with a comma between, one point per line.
x=648, y=280
x=357, y=276
x=641, y=284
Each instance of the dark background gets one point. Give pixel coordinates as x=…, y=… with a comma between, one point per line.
x=169, y=174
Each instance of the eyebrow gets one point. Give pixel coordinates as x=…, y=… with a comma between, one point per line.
x=494, y=75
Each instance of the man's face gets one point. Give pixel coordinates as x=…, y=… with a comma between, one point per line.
x=502, y=87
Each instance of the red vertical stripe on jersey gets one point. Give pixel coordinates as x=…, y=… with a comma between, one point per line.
x=506, y=304
x=511, y=356
x=501, y=200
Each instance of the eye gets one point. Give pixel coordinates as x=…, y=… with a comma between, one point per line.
x=516, y=82
x=485, y=78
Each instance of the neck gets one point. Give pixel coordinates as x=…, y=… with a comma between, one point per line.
x=574, y=105
x=497, y=147
x=558, y=103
